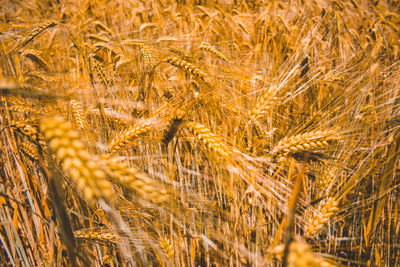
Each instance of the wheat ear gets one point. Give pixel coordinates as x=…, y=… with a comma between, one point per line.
x=77, y=113
x=123, y=139
x=211, y=140
x=325, y=211
x=186, y=67
x=34, y=55
x=33, y=34
x=173, y=126
x=167, y=247
x=131, y=178
x=64, y=143
x=264, y=103
x=301, y=255
x=99, y=234
x=207, y=47
x=304, y=142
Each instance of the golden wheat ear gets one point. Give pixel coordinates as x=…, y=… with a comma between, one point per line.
x=64, y=143
x=124, y=138
x=209, y=139
x=325, y=211
x=36, y=57
x=131, y=178
x=300, y=254
x=32, y=35
x=304, y=142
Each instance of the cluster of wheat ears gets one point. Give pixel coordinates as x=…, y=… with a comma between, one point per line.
x=199, y=133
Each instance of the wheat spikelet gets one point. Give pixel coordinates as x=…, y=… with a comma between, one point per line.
x=34, y=55
x=146, y=55
x=33, y=34
x=29, y=149
x=212, y=50
x=77, y=113
x=304, y=142
x=123, y=139
x=102, y=74
x=301, y=255
x=64, y=143
x=108, y=46
x=182, y=54
x=102, y=27
x=41, y=76
x=325, y=211
x=98, y=38
x=263, y=104
x=187, y=67
x=144, y=187
x=167, y=247
x=211, y=140
x=99, y=234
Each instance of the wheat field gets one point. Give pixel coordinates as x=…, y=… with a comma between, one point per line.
x=200, y=133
